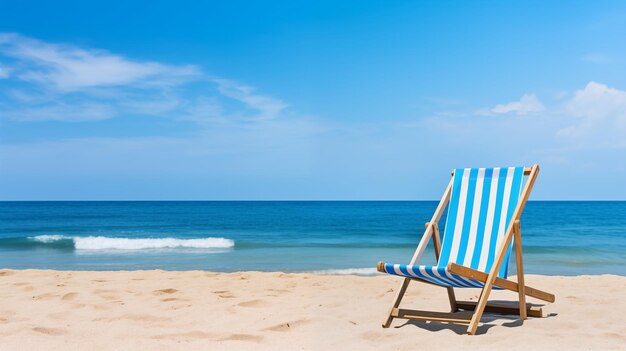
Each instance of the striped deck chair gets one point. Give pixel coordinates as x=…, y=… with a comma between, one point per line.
x=482, y=226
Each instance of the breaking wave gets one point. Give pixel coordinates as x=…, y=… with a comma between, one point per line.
x=110, y=243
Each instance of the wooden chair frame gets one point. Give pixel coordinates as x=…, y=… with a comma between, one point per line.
x=490, y=280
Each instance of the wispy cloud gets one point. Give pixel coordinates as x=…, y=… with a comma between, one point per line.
x=527, y=104
x=63, y=82
x=4, y=72
x=598, y=58
x=67, y=68
x=268, y=107
x=74, y=112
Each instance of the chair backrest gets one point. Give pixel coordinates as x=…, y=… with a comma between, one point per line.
x=481, y=208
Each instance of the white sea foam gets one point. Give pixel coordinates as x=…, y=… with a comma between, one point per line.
x=108, y=243
x=348, y=271
x=49, y=238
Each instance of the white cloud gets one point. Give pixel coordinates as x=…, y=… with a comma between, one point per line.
x=591, y=117
x=598, y=101
x=68, y=68
x=599, y=114
x=527, y=104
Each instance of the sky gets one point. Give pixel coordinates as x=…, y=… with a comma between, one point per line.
x=308, y=100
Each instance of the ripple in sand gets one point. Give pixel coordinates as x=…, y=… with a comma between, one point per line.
x=69, y=296
x=254, y=303
x=165, y=291
x=224, y=294
x=50, y=331
x=242, y=337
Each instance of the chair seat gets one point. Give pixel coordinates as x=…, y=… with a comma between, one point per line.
x=433, y=274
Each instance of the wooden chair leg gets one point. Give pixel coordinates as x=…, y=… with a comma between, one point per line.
x=452, y=298
x=480, y=308
x=517, y=232
x=396, y=301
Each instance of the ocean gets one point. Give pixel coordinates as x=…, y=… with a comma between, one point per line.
x=327, y=237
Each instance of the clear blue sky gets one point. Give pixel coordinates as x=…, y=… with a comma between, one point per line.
x=308, y=100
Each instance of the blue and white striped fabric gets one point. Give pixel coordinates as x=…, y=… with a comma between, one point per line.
x=480, y=210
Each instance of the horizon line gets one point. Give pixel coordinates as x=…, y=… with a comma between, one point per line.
x=303, y=200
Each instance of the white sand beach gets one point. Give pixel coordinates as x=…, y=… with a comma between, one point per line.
x=198, y=310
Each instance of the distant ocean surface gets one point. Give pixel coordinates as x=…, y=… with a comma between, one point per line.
x=559, y=238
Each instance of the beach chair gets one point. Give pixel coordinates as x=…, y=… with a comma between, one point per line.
x=482, y=226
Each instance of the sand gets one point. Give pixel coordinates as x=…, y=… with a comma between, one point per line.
x=196, y=310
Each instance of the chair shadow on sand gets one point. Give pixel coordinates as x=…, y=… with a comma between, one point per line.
x=487, y=319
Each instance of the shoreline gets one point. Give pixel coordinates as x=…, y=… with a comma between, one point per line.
x=314, y=272
x=196, y=310
x=362, y=272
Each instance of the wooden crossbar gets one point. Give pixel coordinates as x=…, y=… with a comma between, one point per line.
x=465, y=316
x=499, y=282
x=450, y=317
x=501, y=308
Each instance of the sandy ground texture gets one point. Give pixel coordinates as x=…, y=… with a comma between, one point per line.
x=196, y=310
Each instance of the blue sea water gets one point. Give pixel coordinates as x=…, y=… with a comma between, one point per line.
x=559, y=238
